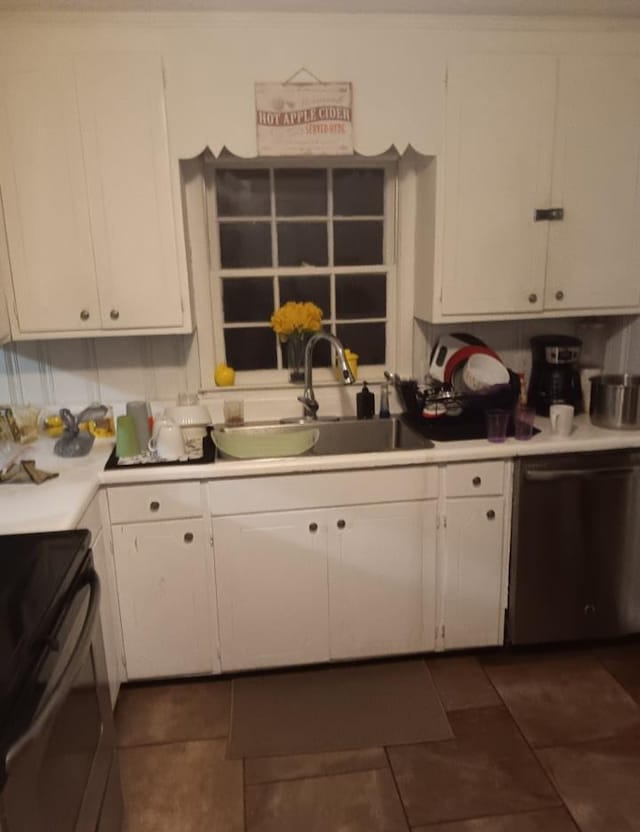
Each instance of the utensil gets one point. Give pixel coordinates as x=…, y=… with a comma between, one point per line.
x=615, y=401
x=497, y=424
x=127, y=444
x=167, y=441
x=140, y=413
x=523, y=419
x=484, y=372
x=252, y=442
x=561, y=416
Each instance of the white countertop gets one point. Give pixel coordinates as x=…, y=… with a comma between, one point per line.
x=59, y=503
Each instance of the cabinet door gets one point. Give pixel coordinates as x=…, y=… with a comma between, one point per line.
x=376, y=585
x=473, y=572
x=121, y=99
x=499, y=138
x=166, y=597
x=271, y=572
x=594, y=253
x=45, y=199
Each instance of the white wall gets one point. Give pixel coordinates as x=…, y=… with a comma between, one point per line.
x=112, y=370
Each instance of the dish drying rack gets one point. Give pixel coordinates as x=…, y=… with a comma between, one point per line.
x=437, y=398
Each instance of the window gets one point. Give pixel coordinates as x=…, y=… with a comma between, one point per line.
x=301, y=233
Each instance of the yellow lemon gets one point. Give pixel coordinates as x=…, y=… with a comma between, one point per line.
x=224, y=375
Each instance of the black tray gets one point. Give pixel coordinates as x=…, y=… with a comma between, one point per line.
x=208, y=456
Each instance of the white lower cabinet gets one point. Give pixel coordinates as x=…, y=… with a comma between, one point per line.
x=472, y=613
x=306, y=586
x=474, y=535
x=381, y=578
x=271, y=574
x=166, y=592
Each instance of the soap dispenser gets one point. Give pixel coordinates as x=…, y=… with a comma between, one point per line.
x=365, y=403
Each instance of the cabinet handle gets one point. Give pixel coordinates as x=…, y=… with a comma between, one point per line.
x=341, y=524
x=549, y=214
x=491, y=515
x=84, y=315
x=533, y=298
x=313, y=528
x=559, y=295
x=188, y=537
x=589, y=609
x=114, y=314
x=477, y=481
x=154, y=505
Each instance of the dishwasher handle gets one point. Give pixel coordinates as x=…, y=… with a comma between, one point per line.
x=63, y=685
x=576, y=473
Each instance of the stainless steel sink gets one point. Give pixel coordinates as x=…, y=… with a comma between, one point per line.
x=343, y=436
x=362, y=436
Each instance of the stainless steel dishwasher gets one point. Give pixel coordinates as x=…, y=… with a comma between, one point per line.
x=575, y=548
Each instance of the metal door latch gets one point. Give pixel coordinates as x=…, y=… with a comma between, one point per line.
x=550, y=214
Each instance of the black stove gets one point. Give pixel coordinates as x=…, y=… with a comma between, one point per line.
x=38, y=573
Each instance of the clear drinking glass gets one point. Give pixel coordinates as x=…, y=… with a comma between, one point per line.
x=497, y=424
x=523, y=419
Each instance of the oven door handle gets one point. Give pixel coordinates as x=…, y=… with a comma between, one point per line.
x=58, y=693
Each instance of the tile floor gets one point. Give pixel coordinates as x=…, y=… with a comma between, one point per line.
x=543, y=742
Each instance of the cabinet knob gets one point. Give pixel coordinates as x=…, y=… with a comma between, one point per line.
x=533, y=298
x=114, y=314
x=589, y=609
x=491, y=515
x=477, y=481
x=313, y=527
x=559, y=295
x=188, y=537
x=154, y=505
x=84, y=315
x=341, y=524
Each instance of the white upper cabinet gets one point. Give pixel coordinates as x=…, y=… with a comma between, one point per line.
x=86, y=184
x=498, y=163
x=530, y=132
x=593, y=260
x=45, y=199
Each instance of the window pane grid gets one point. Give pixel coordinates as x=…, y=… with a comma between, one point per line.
x=332, y=321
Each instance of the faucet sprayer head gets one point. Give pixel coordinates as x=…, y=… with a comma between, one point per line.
x=345, y=368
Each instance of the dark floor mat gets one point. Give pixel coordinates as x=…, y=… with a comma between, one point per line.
x=334, y=709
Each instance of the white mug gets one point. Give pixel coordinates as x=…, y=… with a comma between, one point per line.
x=561, y=416
x=167, y=441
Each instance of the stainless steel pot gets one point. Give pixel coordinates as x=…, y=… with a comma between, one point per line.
x=615, y=402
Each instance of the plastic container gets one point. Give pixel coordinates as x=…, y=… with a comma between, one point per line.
x=365, y=403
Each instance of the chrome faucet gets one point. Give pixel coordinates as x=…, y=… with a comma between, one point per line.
x=308, y=398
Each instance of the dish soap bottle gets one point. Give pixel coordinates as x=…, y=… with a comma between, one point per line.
x=365, y=403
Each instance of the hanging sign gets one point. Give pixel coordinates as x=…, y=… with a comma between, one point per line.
x=304, y=119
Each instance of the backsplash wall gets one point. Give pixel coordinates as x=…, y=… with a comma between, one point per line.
x=111, y=370
x=605, y=341
x=115, y=370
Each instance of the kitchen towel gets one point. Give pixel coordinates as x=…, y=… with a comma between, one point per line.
x=335, y=709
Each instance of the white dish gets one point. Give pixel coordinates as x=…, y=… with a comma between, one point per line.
x=188, y=415
x=263, y=441
x=482, y=372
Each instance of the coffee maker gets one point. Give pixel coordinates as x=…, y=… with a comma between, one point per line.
x=555, y=378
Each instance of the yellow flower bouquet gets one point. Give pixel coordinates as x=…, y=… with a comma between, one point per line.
x=293, y=323
x=296, y=318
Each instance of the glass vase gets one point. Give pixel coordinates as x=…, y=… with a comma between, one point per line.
x=296, y=345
